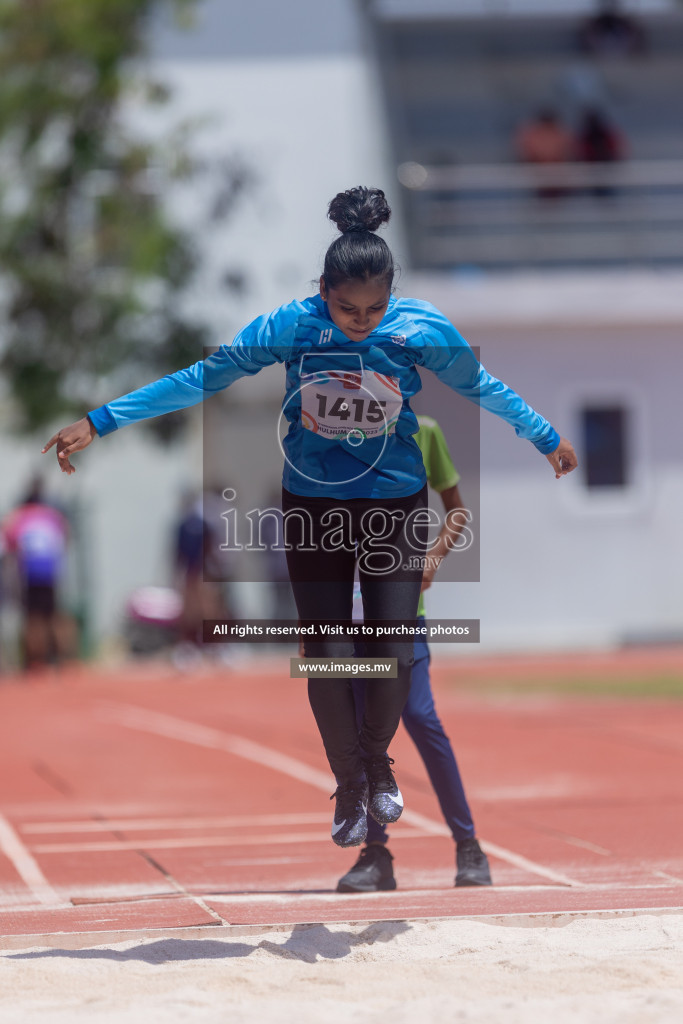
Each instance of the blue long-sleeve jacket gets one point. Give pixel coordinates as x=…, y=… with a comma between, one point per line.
x=347, y=403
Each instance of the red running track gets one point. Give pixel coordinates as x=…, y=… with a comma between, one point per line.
x=144, y=800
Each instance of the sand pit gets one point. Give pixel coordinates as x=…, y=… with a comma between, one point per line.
x=627, y=969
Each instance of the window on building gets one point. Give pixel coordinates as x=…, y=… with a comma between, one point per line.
x=605, y=455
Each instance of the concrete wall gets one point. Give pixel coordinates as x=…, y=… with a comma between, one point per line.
x=557, y=568
x=562, y=565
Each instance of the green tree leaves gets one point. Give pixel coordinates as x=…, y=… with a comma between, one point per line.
x=92, y=269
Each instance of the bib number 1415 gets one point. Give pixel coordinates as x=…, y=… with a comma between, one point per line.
x=358, y=410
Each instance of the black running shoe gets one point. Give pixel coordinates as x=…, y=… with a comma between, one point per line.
x=472, y=864
x=372, y=872
x=350, y=824
x=386, y=802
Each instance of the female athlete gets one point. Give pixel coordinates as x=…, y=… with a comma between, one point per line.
x=354, y=484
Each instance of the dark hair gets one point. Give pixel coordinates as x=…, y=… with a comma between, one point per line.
x=358, y=254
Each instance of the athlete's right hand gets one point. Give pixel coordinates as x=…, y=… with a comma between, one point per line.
x=69, y=440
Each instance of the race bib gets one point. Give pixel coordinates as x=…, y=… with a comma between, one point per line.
x=350, y=406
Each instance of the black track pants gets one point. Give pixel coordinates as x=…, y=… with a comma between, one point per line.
x=328, y=536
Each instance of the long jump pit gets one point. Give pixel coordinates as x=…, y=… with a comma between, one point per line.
x=165, y=851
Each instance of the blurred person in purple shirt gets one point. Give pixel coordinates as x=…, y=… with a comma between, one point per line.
x=35, y=536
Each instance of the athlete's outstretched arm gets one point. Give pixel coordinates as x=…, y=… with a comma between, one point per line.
x=264, y=341
x=449, y=356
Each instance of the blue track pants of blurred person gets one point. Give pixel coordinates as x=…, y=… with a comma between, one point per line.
x=427, y=733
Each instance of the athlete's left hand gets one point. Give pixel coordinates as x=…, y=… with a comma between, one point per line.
x=563, y=459
x=427, y=580
x=428, y=576
x=73, y=438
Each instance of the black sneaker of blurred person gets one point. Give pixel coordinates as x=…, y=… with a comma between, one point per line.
x=372, y=872
x=472, y=864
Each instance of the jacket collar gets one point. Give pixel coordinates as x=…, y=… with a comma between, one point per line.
x=390, y=315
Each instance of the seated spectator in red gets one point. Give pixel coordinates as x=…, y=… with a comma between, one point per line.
x=545, y=140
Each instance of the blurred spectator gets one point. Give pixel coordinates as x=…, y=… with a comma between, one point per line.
x=202, y=597
x=610, y=32
x=271, y=532
x=218, y=500
x=35, y=536
x=599, y=142
x=191, y=539
x=545, y=140
x=582, y=84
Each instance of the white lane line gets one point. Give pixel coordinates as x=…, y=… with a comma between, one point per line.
x=151, y=844
x=179, y=729
x=668, y=877
x=25, y=866
x=584, y=844
x=170, y=824
x=399, y=895
x=13, y=901
x=437, y=828
x=529, y=865
x=204, y=736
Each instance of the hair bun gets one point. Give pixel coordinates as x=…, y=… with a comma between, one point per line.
x=359, y=209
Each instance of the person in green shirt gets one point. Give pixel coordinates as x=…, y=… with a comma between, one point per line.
x=373, y=871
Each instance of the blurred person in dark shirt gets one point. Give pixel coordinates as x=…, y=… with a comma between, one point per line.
x=599, y=142
x=271, y=532
x=610, y=32
x=195, y=577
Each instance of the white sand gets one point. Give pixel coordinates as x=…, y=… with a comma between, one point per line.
x=627, y=970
